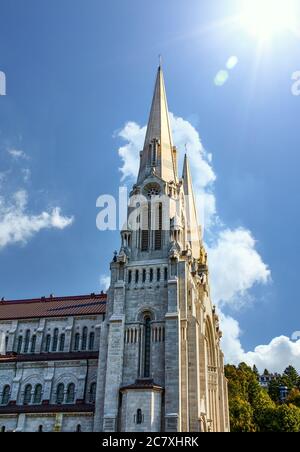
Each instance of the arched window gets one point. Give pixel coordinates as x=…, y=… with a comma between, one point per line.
x=139, y=416
x=145, y=228
x=47, y=343
x=84, y=338
x=144, y=275
x=136, y=276
x=60, y=393
x=147, y=351
x=19, y=344
x=78, y=428
x=62, y=340
x=158, y=274
x=6, y=343
x=33, y=344
x=55, y=340
x=27, y=394
x=37, y=396
x=166, y=274
x=158, y=227
x=91, y=341
x=5, y=395
x=129, y=277
x=40, y=429
x=151, y=274
x=92, y=393
x=27, y=340
x=76, y=342
x=70, y=393
x=3, y=429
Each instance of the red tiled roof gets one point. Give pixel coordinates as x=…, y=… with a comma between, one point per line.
x=53, y=307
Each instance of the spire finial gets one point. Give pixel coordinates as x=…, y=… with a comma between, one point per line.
x=160, y=60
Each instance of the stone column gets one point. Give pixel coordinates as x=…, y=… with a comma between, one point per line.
x=80, y=390
x=68, y=332
x=194, y=378
x=47, y=390
x=16, y=383
x=40, y=335
x=11, y=337
x=115, y=356
x=172, y=361
x=101, y=377
x=21, y=423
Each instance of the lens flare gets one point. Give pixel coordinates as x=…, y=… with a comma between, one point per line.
x=264, y=18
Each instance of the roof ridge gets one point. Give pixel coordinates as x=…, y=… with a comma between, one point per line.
x=51, y=299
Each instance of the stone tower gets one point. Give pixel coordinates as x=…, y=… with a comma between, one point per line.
x=160, y=363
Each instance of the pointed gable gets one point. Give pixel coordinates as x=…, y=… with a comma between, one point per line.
x=193, y=234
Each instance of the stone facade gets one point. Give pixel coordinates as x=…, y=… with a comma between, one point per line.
x=150, y=360
x=48, y=371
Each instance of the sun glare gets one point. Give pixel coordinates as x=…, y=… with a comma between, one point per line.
x=265, y=18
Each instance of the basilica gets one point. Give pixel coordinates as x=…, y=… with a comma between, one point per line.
x=146, y=356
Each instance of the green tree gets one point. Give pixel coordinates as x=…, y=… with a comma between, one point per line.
x=263, y=411
x=273, y=390
x=241, y=416
x=254, y=409
x=294, y=397
x=288, y=418
x=292, y=376
x=255, y=370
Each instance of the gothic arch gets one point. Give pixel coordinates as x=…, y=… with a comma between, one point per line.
x=33, y=380
x=212, y=377
x=144, y=312
x=66, y=378
x=210, y=344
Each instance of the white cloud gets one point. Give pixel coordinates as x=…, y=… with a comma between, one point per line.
x=129, y=153
x=279, y=353
x=17, y=154
x=104, y=282
x=17, y=225
x=231, y=344
x=235, y=266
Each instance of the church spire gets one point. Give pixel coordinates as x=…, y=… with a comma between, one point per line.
x=159, y=154
x=193, y=232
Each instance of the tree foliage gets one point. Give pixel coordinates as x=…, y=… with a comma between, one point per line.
x=254, y=409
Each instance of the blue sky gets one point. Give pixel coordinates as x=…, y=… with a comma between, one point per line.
x=77, y=71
